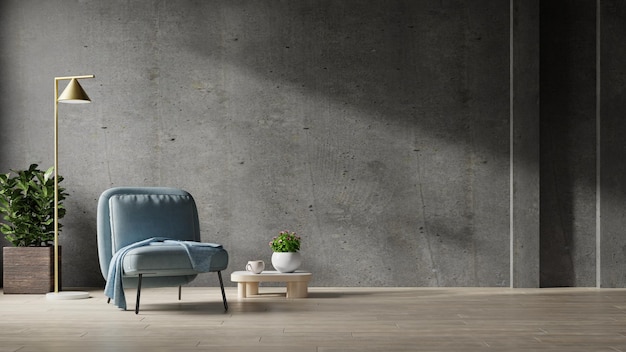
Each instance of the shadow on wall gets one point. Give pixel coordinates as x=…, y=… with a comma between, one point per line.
x=403, y=63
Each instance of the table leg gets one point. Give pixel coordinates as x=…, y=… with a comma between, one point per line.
x=297, y=290
x=241, y=290
x=252, y=288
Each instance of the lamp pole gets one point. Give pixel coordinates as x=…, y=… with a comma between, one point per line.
x=56, y=186
x=73, y=93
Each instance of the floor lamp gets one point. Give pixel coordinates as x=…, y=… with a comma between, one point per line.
x=73, y=94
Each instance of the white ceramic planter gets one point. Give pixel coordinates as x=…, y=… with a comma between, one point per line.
x=286, y=262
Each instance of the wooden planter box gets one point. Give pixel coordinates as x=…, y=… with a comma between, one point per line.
x=29, y=269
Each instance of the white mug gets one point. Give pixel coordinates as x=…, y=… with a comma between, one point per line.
x=255, y=266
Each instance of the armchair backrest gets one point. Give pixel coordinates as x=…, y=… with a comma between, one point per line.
x=130, y=214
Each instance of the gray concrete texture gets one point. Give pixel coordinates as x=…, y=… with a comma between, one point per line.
x=524, y=143
x=379, y=131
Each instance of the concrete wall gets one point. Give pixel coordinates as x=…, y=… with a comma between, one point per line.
x=380, y=131
x=524, y=143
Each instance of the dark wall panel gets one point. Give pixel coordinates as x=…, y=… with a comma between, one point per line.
x=613, y=148
x=568, y=143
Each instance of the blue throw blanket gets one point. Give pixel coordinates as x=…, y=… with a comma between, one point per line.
x=199, y=257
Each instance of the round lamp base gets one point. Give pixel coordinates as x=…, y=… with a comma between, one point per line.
x=67, y=295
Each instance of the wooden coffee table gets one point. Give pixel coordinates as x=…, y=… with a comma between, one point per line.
x=248, y=283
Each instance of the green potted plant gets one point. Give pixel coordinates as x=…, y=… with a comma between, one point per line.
x=285, y=256
x=27, y=208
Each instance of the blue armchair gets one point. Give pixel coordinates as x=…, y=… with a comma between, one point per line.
x=150, y=237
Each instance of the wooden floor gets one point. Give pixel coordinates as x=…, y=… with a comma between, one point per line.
x=331, y=319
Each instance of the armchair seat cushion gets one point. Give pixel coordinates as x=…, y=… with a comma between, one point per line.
x=168, y=259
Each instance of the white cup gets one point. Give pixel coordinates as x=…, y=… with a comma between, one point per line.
x=255, y=266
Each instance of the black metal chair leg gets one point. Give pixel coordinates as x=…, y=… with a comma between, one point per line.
x=138, y=294
x=180, y=289
x=109, y=300
x=219, y=274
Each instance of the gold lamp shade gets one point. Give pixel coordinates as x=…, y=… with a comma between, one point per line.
x=74, y=94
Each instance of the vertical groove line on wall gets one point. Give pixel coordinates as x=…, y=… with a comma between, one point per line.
x=511, y=153
x=598, y=151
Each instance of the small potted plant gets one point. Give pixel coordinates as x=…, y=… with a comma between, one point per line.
x=286, y=257
x=27, y=208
